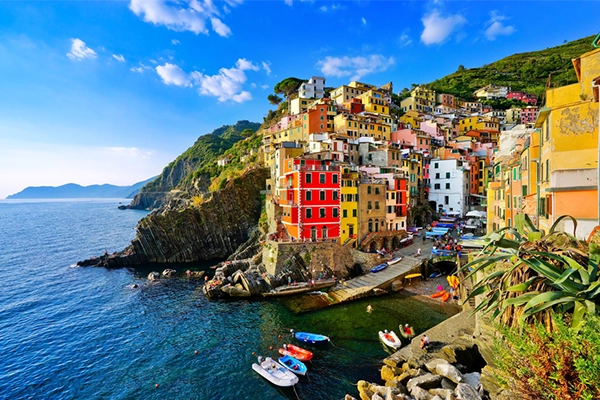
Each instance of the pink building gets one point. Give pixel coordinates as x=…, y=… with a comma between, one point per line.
x=433, y=130
x=524, y=97
x=529, y=115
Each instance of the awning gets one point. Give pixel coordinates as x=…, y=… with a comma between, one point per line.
x=477, y=214
x=478, y=195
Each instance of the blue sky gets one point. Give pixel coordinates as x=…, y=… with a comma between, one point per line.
x=111, y=91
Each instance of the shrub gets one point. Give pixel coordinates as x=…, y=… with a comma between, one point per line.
x=555, y=365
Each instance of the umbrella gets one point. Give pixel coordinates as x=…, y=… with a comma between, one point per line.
x=477, y=214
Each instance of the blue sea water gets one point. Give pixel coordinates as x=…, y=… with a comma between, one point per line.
x=84, y=333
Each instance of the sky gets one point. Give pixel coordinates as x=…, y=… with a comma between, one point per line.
x=112, y=91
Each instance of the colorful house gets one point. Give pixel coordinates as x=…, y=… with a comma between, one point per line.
x=349, y=204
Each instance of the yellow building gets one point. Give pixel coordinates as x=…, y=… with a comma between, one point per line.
x=345, y=93
x=421, y=99
x=568, y=129
x=412, y=119
x=349, y=206
x=374, y=102
x=479, y=123
x=357, y=125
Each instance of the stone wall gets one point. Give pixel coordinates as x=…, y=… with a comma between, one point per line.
x=319, y=256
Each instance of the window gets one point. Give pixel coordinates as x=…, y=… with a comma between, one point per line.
x=436, y=186
x=435, y=165
x=334, y=178
x=335, y=212
x=369, y=205
x=447, y=186
x=354, y=213
x=309, y=213
x=321, y=178
x=344, y=213
x=322, y=195
x=308, y=178
x=547, y=169
x=446, y=200
x=335, y=195
x=377, y=205
x=308, y=195
x=368, y=189
x=322, y=213
x=376, y=190
x=437, y=175
x=447, y=175
x=515, y=205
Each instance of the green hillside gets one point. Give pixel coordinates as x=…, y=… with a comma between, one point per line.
x=201, y=156
x=524, y=71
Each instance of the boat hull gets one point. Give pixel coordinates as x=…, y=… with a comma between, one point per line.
x=296, y=352
x=390, y=339
x=312, y=338
x=379, y=267
x=293, y=365
x=275, y=373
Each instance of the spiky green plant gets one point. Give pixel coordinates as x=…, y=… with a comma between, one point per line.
x=524, y=280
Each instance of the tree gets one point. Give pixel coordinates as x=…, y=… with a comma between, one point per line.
x=274, y=99
x=288, y=86
x=461, y=68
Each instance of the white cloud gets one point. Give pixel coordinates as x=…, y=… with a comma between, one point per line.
x=139, y=70
x=356, y=67
x=182, y=15
x=288, y=2
x=267, y=67
x=264, y=86
x=332, y=7
x=404, y=39
x=244, y=65
x=171, y=74
x=227, y=84
x=437, y=28
x=364, y=21
x=175, y=41
x=220, y=27
x=496, y=27
x=79, y=51
x=119, y=57
x=131, y=152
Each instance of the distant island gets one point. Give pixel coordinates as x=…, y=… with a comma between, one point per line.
x=75, y=191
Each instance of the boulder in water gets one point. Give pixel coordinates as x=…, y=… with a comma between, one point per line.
x=153, y=276
x=169, y=272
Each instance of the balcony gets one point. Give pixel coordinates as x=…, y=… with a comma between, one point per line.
x=316, y=168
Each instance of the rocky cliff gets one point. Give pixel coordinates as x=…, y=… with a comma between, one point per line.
x=183, y=232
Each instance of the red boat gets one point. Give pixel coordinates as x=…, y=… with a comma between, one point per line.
x=297, y=352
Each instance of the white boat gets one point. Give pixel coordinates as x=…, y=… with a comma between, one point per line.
x=390, y=339
x=275, y=372
x=394, y=260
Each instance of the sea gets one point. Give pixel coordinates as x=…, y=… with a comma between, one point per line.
x=70, y=332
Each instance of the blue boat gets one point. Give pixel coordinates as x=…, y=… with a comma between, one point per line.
x=313, y=338
x=379, y=267
x=294, y=365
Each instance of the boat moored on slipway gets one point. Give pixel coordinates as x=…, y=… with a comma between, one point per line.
x=394, y=261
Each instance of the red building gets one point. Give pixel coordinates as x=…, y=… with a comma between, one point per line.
x=401, y=188
x=529, y=115
x=311, y=199
x=524, y=97
x=356, y=106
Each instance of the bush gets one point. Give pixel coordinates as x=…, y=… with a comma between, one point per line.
x=556, y=365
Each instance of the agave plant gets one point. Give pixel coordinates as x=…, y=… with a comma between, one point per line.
x=526, y=278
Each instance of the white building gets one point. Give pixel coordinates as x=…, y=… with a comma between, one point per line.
x=500, y=115
x=449, y=185
x=492, y=92
x=314, y=88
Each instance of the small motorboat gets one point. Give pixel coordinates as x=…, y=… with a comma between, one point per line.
x=313, y=338
x=390, y=339
x=297, y=352
x=394, y=260
x=293, y=365
x=405, y=334
x=379, y=267
x=274, y=372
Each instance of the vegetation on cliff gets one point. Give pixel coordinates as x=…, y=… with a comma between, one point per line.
x=180, y=173
x=528, y=72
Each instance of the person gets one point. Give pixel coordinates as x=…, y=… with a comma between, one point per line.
x=419, y=251
x=295, y=366
x=369, y=309
x=407, y=329
x=424, y=342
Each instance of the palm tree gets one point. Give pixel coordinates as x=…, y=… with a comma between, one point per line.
x=528, y=278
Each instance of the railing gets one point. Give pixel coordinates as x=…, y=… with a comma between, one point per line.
x=316, y=168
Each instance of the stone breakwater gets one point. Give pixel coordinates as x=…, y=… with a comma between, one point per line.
x=450, y=369
x=183, y=232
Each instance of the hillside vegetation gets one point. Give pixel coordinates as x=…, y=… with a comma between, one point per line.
x=524, y=71
x=201, y=157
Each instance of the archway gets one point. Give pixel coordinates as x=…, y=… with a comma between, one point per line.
x=373, y=246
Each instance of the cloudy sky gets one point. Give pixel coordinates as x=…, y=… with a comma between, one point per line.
x=111, y=91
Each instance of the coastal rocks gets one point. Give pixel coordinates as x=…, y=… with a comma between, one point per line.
x=153, y=276
x=444, y=369
x=465, y=391
x=426, y=381
x=168, y=273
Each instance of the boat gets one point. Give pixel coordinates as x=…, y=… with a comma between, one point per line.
x=446, y=297
x=296, y=352
x=406, y=335
x=390, y=339
x=293, y=365
x=394, y=261
x=274, y=372
x=441, y=293
x=301, y=287
x=379, y=267
x=313, y=338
